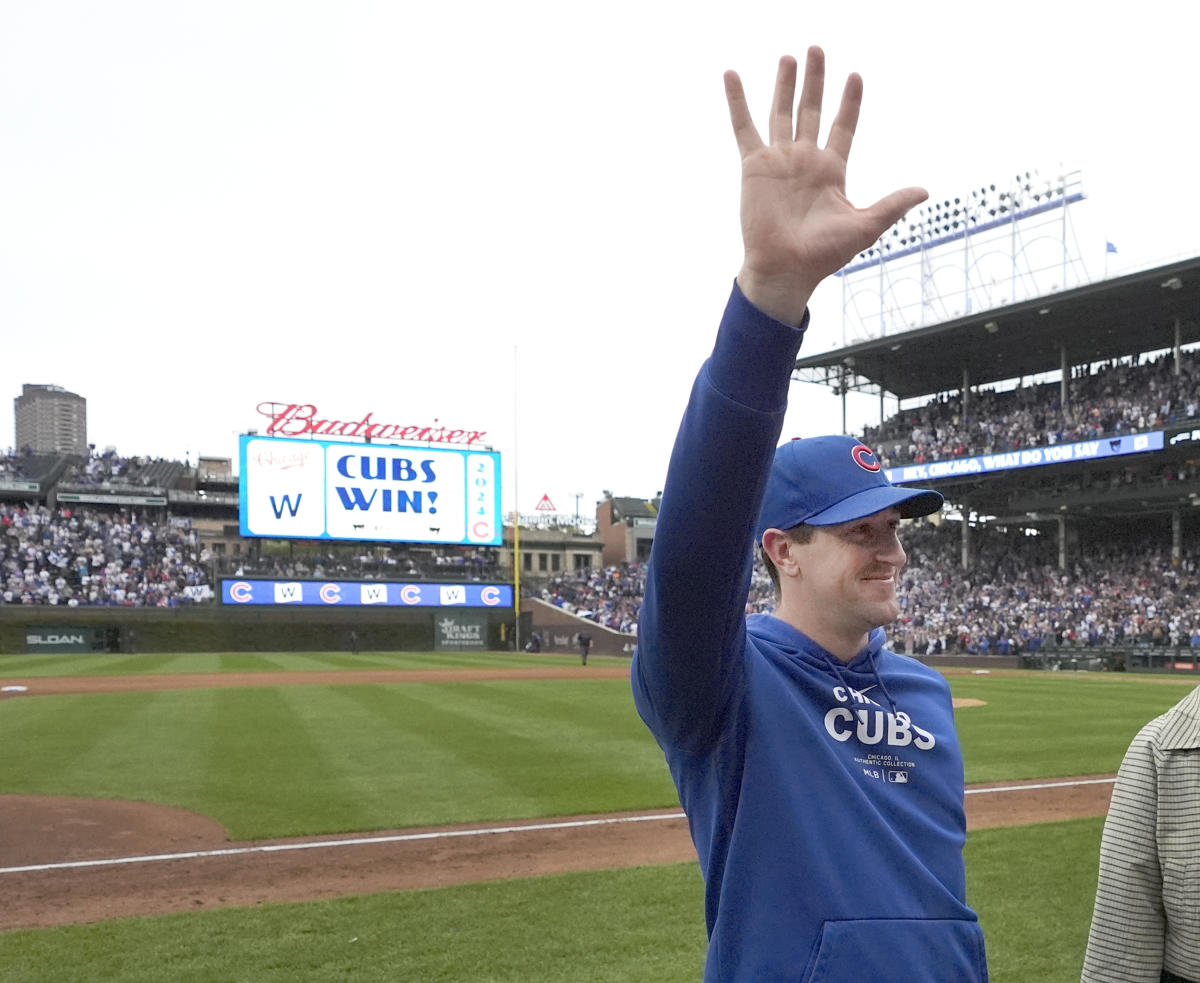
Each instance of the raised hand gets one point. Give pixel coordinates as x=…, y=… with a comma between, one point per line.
x=798, y=227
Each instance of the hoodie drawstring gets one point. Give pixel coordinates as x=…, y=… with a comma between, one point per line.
x=837, y=671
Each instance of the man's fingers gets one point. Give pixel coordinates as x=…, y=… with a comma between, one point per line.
x=785, y=95
x=808, y=116
x=841, y=134
x=888, y=210
x=744, y=130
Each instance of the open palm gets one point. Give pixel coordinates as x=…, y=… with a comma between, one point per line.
x=798, y=226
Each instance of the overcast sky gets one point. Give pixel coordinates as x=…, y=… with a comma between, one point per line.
x=518, y=218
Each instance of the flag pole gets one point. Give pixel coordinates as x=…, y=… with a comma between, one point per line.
x=516, y=517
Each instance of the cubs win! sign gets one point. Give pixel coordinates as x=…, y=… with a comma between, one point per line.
x=317, y=489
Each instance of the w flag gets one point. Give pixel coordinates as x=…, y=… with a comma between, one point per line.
x=1109, y=247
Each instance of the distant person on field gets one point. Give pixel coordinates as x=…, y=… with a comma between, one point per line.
x=820, y=772
x=1146, y=922
x=584, y=640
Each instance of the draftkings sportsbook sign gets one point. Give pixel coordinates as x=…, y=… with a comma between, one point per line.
x=459, y=631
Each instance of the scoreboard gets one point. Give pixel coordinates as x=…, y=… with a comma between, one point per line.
x=317, y=489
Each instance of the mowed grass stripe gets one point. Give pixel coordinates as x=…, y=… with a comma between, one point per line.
x=1032, y=887
x=635, y=924
x=592, y=731
x=138, y=746
x=288, y=761
x=1050, y=724
x=280, y=761
x=30, y=667
x=241, y=757
x=516, y=750
x=424, y=748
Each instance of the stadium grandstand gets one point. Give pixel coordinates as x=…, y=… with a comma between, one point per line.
x=1063, y=431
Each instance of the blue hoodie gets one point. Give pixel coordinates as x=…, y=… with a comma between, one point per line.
x=825, y=800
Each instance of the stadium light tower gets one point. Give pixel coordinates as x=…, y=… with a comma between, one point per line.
x=953, y=256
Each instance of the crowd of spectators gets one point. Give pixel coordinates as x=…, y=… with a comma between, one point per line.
x=1111, y=399
x=108, y=469
x=1013, y=598
x=99, y=557
x=385, y=563
x=611, y=596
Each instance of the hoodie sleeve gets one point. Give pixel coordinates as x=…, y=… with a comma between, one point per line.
x=691, y=632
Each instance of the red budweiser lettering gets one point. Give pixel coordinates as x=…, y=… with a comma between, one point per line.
x=301, y=420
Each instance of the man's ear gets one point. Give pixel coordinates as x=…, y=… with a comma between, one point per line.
x=782, y=551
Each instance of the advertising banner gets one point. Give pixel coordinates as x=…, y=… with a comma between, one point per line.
x=52, y=639
x=460, y=631
x=1029, y=457
x=358, y=593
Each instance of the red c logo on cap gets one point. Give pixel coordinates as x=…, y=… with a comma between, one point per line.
x=864, y=457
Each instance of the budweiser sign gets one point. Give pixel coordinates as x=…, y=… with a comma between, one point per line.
x=301, y=420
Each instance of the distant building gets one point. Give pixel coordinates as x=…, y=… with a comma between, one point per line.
x=551, y=551
x=626, y=528
x=50, y=420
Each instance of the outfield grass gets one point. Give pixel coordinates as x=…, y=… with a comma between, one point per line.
x=287, y=760
x=297, y=760
x=40, y=666
x=1040, y=725
x=1032, y=887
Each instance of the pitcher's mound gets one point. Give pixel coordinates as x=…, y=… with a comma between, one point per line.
x=48, y=829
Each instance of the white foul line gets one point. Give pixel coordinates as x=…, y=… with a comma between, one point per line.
x=283, y=847
x=1025, y=788
x=444, y=834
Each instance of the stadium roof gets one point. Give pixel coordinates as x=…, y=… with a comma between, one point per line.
x=634, y=508
x=1105, y=320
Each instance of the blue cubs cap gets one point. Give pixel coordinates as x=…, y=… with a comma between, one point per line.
x=826, y=480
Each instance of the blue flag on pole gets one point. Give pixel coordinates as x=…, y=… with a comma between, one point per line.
x=1109, y=247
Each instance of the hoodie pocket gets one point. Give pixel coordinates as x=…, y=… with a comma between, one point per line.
x=899, y=950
